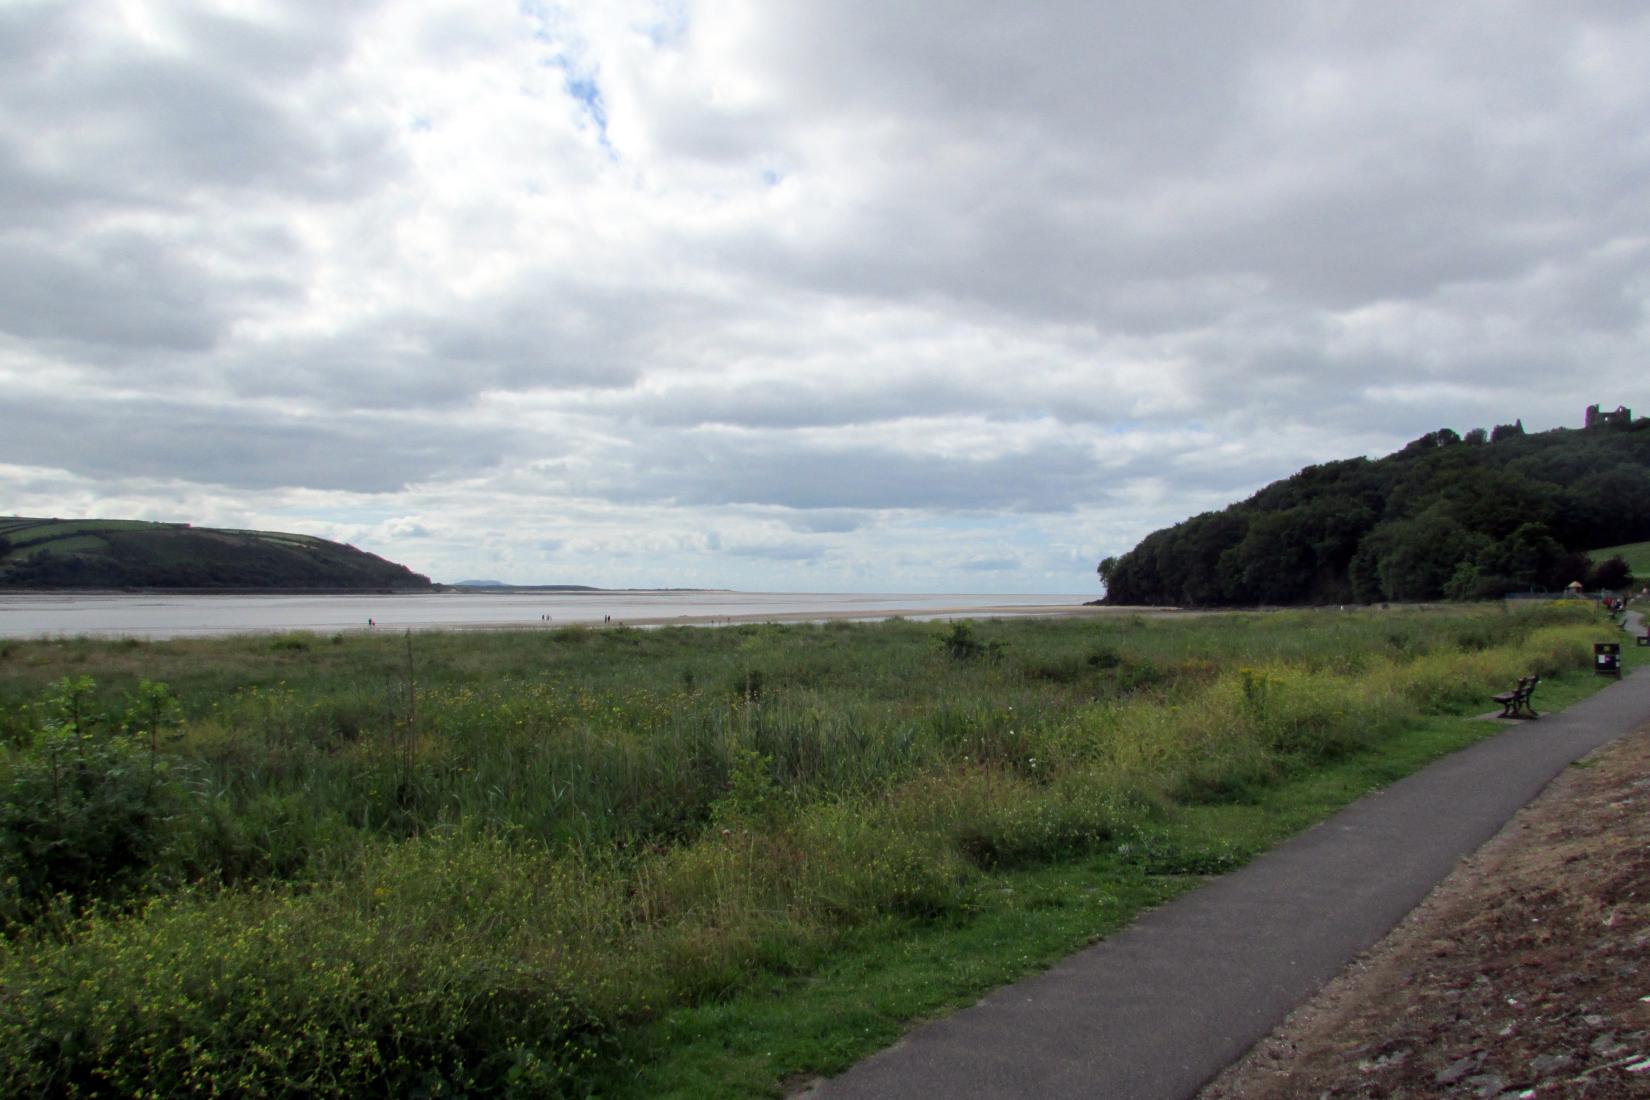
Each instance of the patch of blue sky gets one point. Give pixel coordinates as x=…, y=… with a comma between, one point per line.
x=578, y=80
x=581, y=86
x=669, y=23
x=588, y=94
x=545, y=16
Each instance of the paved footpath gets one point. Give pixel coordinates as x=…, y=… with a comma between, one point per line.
x=1159, y=1009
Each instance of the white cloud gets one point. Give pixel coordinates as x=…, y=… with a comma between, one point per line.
x=781, y=294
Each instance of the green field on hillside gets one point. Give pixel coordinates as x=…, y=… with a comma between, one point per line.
x=101, y=553
x=1636, y=554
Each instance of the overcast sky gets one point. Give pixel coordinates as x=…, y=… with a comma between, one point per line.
x=770, y=294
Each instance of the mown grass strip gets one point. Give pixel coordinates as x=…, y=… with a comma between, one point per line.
x=888, y=977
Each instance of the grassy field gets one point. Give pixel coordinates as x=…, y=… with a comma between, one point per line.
x=674, y=862
x=1636, y=554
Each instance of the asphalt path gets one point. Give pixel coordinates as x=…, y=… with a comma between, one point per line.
x=1159, y=1009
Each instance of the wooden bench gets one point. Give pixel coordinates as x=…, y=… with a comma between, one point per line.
x=1517, y=700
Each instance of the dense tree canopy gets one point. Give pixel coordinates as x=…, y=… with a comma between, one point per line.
x=1455, y=516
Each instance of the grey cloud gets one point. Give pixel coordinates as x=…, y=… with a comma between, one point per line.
x=114, y=288
x=427, y=358
x=35, y=197
x=153, y=127
x=794, y=403
x=1026, y=160
x=297, y=38
x=237, y=447
x=1135, y=79
x=800, y=476
x=175, y=123
x=825, y=522
x=990, y=565
x=30, y=32
x=785, y=551
x=558, y=335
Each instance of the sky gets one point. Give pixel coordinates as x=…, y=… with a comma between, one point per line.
x=857, y=295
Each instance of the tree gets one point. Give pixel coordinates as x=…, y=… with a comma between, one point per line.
x=1529, y=557
x=1611, y=575
x=1417, y=557
x=1519, y=514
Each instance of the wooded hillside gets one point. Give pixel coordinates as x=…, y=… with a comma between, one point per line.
x=102, y=553
x=1448, y=516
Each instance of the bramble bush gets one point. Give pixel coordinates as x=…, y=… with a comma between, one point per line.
x=429, y=974
x=87, y=811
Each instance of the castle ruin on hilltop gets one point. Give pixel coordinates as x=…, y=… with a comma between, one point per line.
x=1599, y=419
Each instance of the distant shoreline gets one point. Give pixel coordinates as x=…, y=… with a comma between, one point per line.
x=432, y=590
x=420, y=591
x=170, y=614
x=881, y=614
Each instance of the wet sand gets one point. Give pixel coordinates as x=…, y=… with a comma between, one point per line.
x=915, y=614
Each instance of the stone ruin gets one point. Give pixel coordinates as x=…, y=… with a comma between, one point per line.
x=1596, y=418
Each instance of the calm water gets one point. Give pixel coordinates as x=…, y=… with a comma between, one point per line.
x=159, y=616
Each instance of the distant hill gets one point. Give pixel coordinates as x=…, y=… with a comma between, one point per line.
x=504, y=588
x=1448, y=516
x=1635, y=554
x=112, y=553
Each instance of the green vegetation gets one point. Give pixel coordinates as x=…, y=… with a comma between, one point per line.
x=644, y=863
x=1636, y=555
x=113, y=553
x=1473, y=517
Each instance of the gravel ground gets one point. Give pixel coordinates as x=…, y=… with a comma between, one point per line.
x=1525, y=974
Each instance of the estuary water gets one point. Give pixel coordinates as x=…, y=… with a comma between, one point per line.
x=33, y=615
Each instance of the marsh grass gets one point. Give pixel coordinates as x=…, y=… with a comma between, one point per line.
x=502, y=857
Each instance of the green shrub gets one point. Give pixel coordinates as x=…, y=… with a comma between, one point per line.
x=960, y=644
x=85, y=813
x=426, y=976
x=84, y=819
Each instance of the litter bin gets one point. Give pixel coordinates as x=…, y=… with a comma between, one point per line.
x=1607, y=658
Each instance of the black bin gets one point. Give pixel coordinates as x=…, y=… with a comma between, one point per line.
x=1607, y=658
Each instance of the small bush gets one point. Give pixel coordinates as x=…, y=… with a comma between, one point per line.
x=86, y=812
x=82, y=817
x=1105, y=658
x=426, y=977
x=961, y=644
x=749, y=685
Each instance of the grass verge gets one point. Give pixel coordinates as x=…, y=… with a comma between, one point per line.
x=774, y=1038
